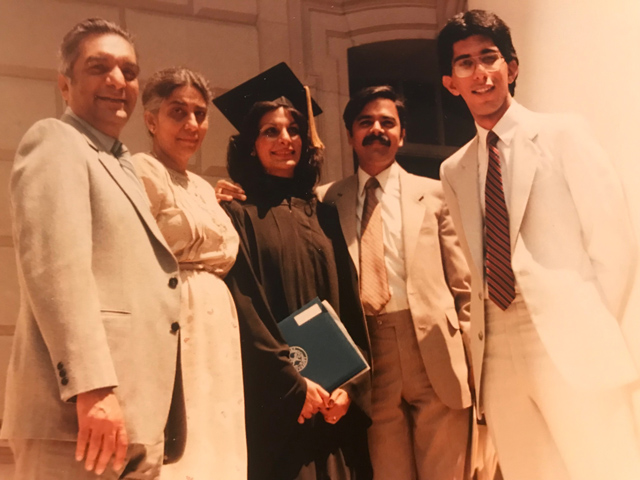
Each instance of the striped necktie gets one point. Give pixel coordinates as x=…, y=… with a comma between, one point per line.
x=374, y=285
x=498, y=271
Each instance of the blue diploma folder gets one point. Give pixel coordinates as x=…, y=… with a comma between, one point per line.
x=320, y=347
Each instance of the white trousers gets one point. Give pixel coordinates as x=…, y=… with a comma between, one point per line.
x=543, y=427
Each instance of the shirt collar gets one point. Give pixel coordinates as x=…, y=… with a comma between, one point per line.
x=505, y=128
x=389, y=174
x=106, y=142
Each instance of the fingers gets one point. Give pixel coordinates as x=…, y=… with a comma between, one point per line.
x=332, y=419
x=95, y=442
x=105, y=442
x=227, y=191
x=319, y=395
x=223, y=198
x=81, y=444
x=339, y=405
x=122, y=443
x=104, y=450
x=308, y=410
x=101, y=434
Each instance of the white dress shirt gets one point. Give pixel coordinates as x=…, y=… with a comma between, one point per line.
x=389, y=197
x=505, y=130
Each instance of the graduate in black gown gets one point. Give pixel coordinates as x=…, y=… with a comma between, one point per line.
x=291, y=250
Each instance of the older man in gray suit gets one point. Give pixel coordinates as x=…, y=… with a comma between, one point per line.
x=93, y=366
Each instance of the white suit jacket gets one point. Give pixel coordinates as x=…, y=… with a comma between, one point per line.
x=99, y=290
x=437, y=277
x=573, y=250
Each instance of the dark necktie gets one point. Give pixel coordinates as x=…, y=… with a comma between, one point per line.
x=499, y=273
x=374, y=285
x=124, y=158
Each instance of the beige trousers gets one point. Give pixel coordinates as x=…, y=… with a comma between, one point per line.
x=543, y=427
x=55, y=460
x=414, y=436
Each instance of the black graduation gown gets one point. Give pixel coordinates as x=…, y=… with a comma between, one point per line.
x=292, y=250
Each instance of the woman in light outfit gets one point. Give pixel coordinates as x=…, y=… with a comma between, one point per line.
x=205, y=243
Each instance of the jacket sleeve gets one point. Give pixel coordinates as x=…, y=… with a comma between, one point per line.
x=602, y=210
x=456, y=272
x=53, y=235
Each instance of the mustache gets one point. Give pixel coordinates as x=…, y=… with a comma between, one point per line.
x=372, y=137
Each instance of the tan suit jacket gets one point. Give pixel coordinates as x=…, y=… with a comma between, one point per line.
x=437, y=277
x=573, y=250
x=99, y=290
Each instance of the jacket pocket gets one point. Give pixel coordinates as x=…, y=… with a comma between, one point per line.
x=452, y=317
x=114, y=313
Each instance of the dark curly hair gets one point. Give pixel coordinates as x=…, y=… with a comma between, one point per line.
x=475, y=22
x=247, y=170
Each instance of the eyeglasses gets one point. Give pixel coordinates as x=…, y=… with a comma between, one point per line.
x=465, y=67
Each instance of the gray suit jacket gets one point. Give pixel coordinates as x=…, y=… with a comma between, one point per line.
x=437, y=277
x=98, y=295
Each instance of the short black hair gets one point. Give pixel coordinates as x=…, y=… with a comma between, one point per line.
x=362, y=97
x=245, y=168
x=70, y=47
x=475, y=22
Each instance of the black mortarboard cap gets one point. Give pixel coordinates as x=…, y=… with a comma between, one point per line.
x=279, y=81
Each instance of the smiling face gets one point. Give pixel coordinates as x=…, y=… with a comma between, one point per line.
x=103, y=86
x=178, y=126
x=279, y=143
x=376, y=135
x=486, y=93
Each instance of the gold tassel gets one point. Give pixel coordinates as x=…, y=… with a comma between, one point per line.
x=313, y=133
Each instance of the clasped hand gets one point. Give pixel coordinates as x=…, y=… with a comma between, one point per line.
x=333, y=407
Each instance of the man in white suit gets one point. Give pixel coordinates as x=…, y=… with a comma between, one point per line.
x=542, y=221
x=420, y=397
x=93, y=365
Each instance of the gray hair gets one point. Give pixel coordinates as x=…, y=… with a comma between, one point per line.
x=70, y=46
x=162, y=83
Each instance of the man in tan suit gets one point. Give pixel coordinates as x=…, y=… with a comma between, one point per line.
x=92, y=370
x=542, y=220
x=415, y=290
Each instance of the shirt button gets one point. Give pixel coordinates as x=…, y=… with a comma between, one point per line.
x=64, y=381
x=481, y=336
x=60, y=366
x=173, y=282
x=175, y=326
x=63, y=373
x=480, y=296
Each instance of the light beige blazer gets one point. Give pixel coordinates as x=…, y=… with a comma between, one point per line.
x=98, y=295
x=437, y=277
x=573, y=250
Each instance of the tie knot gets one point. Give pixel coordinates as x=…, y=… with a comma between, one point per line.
x=372, y=184
x=118, y=149
x=492, y=138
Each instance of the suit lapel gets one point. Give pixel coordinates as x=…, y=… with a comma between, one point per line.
x=345, y=202
x=467, y=191
x=135, y=194
x=524, y=155
x=414, y=204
